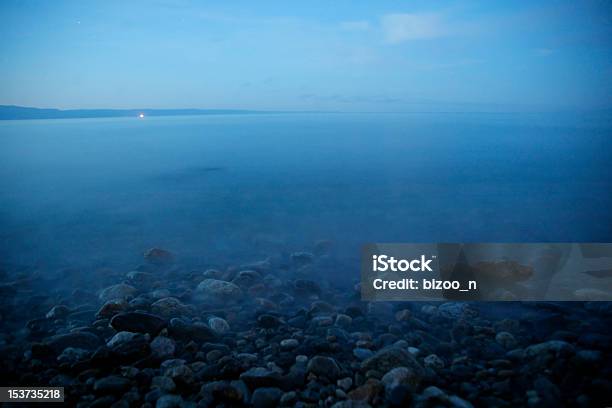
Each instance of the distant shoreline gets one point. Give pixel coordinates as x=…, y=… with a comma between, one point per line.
x=10, y=112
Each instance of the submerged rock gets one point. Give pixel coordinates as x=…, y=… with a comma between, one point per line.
x=218, y=325
x=218, y=291
x=119, y=291
x=158, y=256
x=168, y=307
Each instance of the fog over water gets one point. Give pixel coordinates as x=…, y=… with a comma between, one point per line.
x=217, y=190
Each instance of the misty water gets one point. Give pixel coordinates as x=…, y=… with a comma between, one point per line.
x=217, y=190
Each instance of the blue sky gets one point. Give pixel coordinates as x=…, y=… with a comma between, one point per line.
x=340, y=55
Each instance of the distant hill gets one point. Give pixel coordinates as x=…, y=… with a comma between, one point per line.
x=9, y=112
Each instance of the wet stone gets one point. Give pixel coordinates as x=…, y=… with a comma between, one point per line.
x=324, y=366
x=111, y=384
x=83, y=340
x=289, y=344
x=362, y=353
x=168, y=307
x=266, y=397
x=163, y=347
x=218, y=325
x=158, y=256
x=506, y=340
x=119, y=291
x=58, y=312
x=138, y=322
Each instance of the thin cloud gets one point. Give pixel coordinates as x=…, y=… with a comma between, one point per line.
x=402, y=27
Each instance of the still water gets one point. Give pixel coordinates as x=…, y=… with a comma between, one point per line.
x=221, y=189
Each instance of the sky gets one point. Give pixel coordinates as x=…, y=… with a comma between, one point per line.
x=312, y=55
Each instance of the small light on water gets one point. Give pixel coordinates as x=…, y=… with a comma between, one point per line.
x=141, y=115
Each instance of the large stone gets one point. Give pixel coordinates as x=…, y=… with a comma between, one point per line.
x=391, y=357
x=266, y=397
x=58, y=312
x=168, y=307
x=218, y=325
x=158, y=256
x=82, y=340
x=218, y=291
x=119, y=291
x=121, y=338
x=324, y=366
x=260, y=377
x=111, y=385
x=185, y=330
x=163, y=347
x=138, y=322
x=400, y=376
x=112, y=307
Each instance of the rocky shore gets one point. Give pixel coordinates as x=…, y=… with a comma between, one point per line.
x=277, y=333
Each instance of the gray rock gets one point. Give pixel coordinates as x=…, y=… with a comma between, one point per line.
x=218, y=325
x=120, y=291
x=289, y=344
x=168, y=307
x=218, y=292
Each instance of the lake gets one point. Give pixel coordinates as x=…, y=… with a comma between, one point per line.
x=223, y=189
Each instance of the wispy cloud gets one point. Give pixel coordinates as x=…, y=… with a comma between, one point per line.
x=398, y=28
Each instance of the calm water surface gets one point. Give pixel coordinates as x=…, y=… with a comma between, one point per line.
x=223, y=188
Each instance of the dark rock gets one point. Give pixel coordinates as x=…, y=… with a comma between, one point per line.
x=111, y=385
x=138, y=322
x=184, y=330
x=82, y=340
x=266, y=397
x=391, y=357
x=158, y=256
x=58, y=312
x=260, y=377
x=324, y=366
